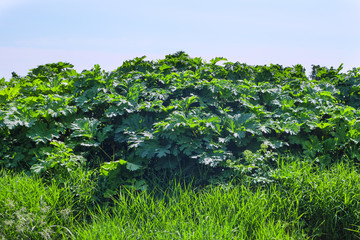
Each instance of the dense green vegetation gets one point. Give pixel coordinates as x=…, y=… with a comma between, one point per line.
x=179, y=148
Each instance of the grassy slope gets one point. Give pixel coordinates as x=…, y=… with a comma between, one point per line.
x=303, y=203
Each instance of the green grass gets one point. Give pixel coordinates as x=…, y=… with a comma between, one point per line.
x=183, y=213
x=29, y=210
x=329, y=200
x=303, y=202
x=32, y=209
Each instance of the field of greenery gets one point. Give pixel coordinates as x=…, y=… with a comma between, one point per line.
x=180, y=148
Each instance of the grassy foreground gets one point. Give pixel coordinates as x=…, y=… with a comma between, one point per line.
x=303, y=202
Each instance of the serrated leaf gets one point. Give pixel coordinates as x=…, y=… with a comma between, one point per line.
x=40, y=132
x=85, y=128
x=132, y=166
x=101, y=136
x=323, y=125
x=239, y=134
x=106, y=167
x=264, y=129
x=162, y=152
x=217, y=59
x=37, y=168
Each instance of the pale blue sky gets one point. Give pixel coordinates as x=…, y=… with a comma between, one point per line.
x=107, y=32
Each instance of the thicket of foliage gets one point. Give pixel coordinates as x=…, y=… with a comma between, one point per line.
x=93, y=141
x=179, y=115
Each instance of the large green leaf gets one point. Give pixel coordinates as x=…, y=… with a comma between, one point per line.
x=42, y=132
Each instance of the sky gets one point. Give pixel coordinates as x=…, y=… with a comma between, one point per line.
x=108, y=32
